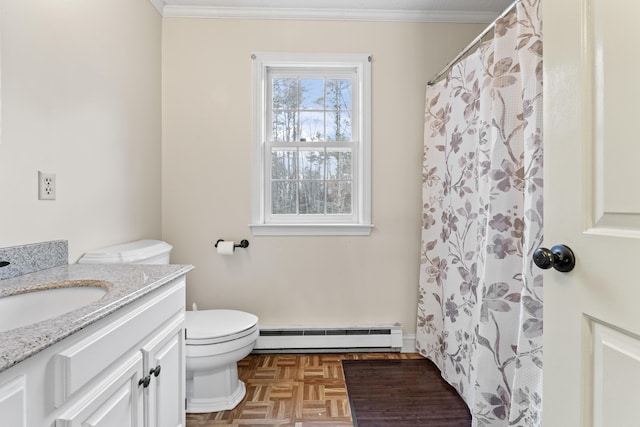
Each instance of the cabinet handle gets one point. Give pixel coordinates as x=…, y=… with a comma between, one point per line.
x=155, y=372
x=144, y=382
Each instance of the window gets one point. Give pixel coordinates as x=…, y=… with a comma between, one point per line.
x=311, y=145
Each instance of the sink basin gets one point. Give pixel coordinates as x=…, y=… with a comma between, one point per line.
x=48, y=301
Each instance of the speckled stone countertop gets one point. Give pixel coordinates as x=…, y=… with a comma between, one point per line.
x=126, y=283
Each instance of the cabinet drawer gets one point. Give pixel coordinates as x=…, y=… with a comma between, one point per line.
x=78, y=364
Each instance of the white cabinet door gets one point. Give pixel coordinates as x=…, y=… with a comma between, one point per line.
x=164, y=356
x=115, y=401
x=13, y=402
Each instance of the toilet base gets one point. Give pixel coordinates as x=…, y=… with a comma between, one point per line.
x=216, y=391
x=216, y=404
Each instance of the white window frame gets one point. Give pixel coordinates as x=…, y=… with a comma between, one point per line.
x=359, y=223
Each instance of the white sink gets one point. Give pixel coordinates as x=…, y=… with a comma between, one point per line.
x=48, y=301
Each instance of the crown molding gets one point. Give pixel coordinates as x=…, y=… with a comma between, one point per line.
x=174, y=11
x=158, y=5
x=455, y=11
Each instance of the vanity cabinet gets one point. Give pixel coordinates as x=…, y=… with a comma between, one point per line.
x=125, y=370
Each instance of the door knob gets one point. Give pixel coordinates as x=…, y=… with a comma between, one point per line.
x=559, y=257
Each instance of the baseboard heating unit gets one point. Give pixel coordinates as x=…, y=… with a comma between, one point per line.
x=387, y=338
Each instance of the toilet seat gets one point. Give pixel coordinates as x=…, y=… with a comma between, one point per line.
x=206, y=327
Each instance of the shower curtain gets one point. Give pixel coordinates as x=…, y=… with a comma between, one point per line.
x=480, y=296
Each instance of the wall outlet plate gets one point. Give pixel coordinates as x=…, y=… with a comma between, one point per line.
x=46, y=186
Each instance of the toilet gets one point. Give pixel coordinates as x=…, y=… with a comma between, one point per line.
x=215, y=339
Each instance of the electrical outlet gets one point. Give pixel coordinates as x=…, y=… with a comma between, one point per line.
x=46, y=186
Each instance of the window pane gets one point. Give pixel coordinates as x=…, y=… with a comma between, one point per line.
x=339, y=126
x=285, y=93
x=312, y=94
x=284, y=164
x=339, y=197
x=285, y=126
x=338, y=94
x=311, y=165
x=311, y=197
x=339, y=165
x=309, y=132
x=283, y=197
x=311, y=126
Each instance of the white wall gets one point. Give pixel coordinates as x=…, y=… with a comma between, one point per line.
x=80, y=98
x=207, y=159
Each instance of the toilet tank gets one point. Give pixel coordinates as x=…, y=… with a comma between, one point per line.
x=138, y=252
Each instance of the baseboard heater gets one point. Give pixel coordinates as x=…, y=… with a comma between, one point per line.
x=386, y=338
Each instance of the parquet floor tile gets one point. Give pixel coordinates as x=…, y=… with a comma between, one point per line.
x=292, y=390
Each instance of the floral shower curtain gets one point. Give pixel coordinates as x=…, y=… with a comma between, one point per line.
x=480, y=306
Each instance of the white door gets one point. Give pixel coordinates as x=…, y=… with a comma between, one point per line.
x=592, y=205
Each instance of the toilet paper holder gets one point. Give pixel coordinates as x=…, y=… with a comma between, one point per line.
x=243, y=243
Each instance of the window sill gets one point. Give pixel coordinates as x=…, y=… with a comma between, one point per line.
x=311, y=229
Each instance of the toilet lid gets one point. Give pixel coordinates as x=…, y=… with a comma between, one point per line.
x=207, y=324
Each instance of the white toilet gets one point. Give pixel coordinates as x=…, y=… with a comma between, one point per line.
x=216, y=339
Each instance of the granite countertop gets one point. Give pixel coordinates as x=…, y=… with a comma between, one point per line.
x=125, y=282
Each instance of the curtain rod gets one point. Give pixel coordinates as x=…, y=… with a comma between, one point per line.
x=471, y=45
